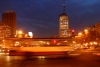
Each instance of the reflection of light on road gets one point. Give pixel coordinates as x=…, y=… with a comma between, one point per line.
x=41, y=57
x=98, y=54
x=7, y=53
x=0, y=53
x=95, y=51
x=87, y=51
x=74, y=54
x=8, y=58
x=4, y=53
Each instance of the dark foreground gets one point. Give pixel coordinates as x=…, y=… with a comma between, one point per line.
x=83, y=58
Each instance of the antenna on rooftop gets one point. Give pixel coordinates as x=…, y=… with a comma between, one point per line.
x=64, y=11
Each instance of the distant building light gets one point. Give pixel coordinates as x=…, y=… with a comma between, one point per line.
x=30, y=34
x=20, y=32
x=73, y=31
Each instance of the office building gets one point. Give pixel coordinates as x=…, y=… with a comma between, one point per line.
x=5, y=31
x=9, y=18
x=64, y=30
x=97, y=27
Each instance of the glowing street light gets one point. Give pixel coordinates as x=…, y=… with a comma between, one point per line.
x=91, y=43
x=95, y=43
x=86, y=31
x=74, y=42
x=80, y=34
x=20, y=32
x=3, y=43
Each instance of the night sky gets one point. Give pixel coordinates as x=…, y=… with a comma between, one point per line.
x=41, y=16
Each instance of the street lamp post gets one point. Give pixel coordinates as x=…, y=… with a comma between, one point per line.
x=3, y=43
x=80, y=34
x=86, y=31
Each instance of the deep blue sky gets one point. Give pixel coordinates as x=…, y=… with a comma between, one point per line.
x=41, y=16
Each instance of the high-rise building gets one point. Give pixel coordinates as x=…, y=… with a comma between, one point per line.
x=64, y=24
x=5, y=31
x=97, y=27
x=9, y=18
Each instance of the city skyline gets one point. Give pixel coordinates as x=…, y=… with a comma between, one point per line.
x=42, y=16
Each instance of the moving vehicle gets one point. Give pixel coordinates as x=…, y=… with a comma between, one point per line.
x=40, y=50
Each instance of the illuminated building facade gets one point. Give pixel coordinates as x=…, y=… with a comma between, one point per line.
x=97, y=27
x=5, y=31
x=64, y=24
x=9, y=18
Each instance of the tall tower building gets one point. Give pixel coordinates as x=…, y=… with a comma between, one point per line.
x=64, y=23
x=5, y=31
x=9, y=18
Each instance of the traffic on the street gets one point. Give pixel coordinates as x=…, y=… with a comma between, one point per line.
x=76, y=58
